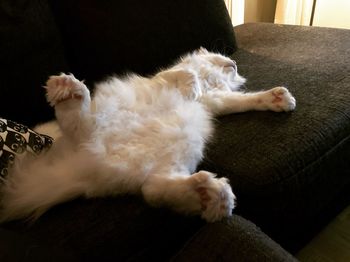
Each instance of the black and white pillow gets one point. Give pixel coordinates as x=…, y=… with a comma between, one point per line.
x=16, y=139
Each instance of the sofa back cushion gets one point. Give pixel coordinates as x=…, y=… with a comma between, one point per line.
x=30, y=51
x=104, y=37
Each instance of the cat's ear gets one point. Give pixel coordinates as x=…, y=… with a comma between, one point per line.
x=201, y=51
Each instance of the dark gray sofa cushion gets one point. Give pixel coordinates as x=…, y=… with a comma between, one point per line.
x=112, y=37
x=291, y=171
x=30, y=51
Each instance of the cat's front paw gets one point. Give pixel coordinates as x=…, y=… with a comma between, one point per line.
x=184, y=80
x=279, y=99
x=187, y=83
x=65, y=87
x=216, y=197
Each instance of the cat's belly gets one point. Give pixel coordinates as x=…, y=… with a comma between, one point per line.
x=135, y=140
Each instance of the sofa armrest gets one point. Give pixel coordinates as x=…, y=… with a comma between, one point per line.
x=235, y=239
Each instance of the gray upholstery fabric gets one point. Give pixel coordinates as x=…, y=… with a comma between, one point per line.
x=289, y=169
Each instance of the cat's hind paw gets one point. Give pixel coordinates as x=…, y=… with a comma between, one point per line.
x=216, y=197
x=65, y=87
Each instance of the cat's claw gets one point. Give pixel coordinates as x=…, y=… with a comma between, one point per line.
x=216, y=197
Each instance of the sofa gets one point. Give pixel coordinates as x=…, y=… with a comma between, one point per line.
x=289, y=171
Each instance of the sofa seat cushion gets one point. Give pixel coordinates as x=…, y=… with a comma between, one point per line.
x=127, y=229
x=121, y=228
x=289, y=170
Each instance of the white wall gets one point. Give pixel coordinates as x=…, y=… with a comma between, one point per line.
x=332, y=13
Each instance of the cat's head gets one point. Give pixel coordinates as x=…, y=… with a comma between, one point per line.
x=216, y=70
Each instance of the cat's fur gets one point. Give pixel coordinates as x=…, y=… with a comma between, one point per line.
x=137, y=135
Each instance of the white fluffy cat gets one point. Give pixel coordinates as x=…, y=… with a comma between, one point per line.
x=137, y=135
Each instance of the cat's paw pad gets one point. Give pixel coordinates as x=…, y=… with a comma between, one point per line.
x=64, y=87
x=216, y=197
x=281, y=100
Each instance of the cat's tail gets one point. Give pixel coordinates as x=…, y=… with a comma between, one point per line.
x=35, y=185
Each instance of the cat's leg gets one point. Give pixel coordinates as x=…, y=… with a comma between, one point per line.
x=71, y=100
x=185, y=80
x=200, y=193
x=277, y=99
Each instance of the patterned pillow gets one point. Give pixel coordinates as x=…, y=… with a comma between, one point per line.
x=15, y=139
